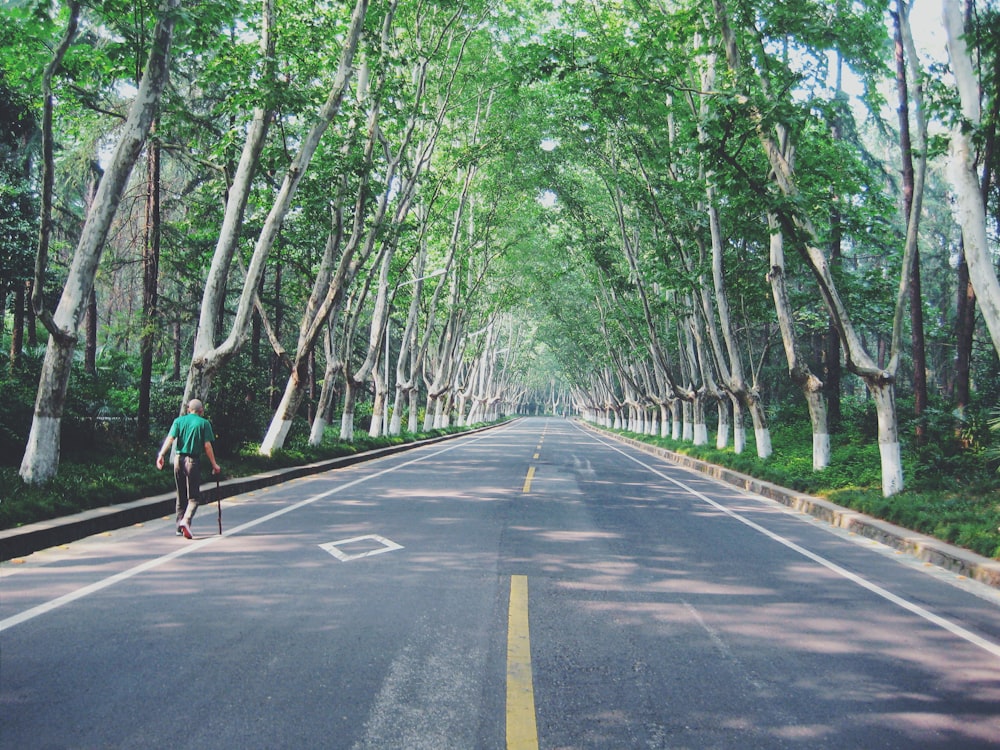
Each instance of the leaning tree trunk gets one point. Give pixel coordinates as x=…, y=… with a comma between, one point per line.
x=356, y=379
x=879, y=381
x=150, y=284
x=327, y=394
x=965, y=327
x=41, y=456
x=906, y=147
x=798, y=369
x=970, y=208
x=730, y=361
x=207, y=358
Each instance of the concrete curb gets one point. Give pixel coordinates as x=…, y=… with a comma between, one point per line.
x=926, y=548
x=24, y=540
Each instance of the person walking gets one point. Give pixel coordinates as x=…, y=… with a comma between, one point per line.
x=193, y=435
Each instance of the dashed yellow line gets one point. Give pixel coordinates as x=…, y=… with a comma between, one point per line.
x=522, y=730
x=527, y=479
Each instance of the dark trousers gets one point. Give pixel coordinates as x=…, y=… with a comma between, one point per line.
x=187, y=477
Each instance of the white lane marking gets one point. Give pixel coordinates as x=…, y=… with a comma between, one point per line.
x=49, y=606
x=383, y=545
x=899, y=601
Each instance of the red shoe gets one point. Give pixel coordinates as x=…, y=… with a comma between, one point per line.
x=185, y=529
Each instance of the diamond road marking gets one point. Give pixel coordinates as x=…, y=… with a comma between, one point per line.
x=384, y=545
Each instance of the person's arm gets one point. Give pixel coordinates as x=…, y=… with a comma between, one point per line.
x=163, y=451
x=210, y=452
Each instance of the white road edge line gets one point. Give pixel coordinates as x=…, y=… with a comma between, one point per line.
x=49, y=606
x=899, y=601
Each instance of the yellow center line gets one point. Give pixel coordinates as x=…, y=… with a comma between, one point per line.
x=527, y=479
x=522, y=732
x=535, y=456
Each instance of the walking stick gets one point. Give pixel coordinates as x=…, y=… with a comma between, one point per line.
x=218, y=502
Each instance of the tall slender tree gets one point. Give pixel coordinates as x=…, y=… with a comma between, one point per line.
x=41, y=456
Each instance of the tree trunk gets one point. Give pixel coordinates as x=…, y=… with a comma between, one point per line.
x=347, y=416
x=349, y=264
x=962, y=170
x=48, y=179
x=21, y=296
x=208, y=358
x=884, y=397
x=879, y=381
x=276, y=370
x=357, y=378
x=739, y=426
x=798, y=369
x=324, y=408
x=832, y=369
x=150, y=283
x=289, y=403
x=380, y=402
x=903, y=47
x=699, y=428
x=90, y=337
x=175, y=373
x=413, y=423
x=90, y=316
x=965, y=328
x=41, y=456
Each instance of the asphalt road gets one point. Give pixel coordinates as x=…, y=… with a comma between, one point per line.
x=536, y=585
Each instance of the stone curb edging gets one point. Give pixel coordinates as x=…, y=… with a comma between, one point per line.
x=24, y=540
x=926, y=548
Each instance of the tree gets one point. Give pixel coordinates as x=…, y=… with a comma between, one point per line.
x=776, y=146
x=17, y=208
x=963, y=171
x=41, y=456
x=207, y=357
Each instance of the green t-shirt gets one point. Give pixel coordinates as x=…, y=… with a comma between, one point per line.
x=191, y=432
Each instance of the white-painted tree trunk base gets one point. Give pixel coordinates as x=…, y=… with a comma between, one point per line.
x=275, y=437
x=739, y=440
x=892, y=468
x=722, y=436
x=41, y=456
x=347, y=427
x=413, y=419
x=763, y=437
x=701, y=434
x=317, y=431
x=821, y=450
